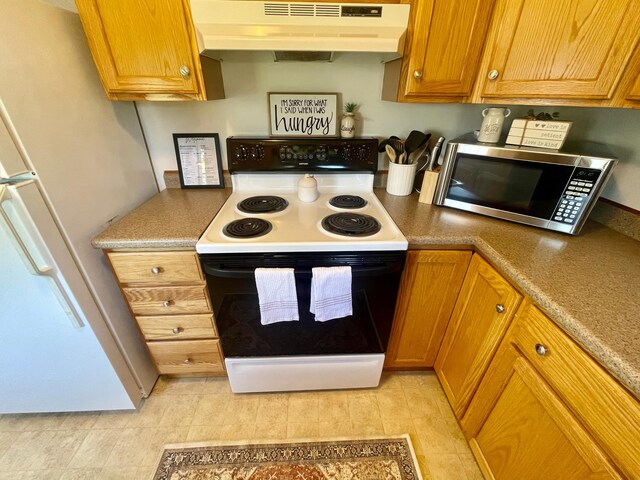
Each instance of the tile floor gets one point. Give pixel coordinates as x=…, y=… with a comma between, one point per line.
x=125, y=445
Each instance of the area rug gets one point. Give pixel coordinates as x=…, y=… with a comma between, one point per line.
x=390, y=458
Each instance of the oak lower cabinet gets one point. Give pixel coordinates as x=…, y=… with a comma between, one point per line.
x=147, y=50
x=483, y=312
x=546, y=409
x=168, y=297
x=428, y=291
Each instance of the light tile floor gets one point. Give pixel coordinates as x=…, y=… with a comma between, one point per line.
x=125, y=445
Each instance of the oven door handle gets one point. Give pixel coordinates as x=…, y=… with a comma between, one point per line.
x=355, y=271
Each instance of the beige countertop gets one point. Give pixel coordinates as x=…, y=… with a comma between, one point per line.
x=589, y=284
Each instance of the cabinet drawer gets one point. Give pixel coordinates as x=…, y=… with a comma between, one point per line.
x=168, y=300
x=192, y=356
x=608, y=411
x=156, y=267
x=177, y=327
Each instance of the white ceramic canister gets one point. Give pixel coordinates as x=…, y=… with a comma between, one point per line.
x=400, y=178
x=348, y=126
x=308, y=188
x=491, y=127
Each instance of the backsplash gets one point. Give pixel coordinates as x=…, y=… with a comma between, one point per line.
x=358, y=78
x=617, y=218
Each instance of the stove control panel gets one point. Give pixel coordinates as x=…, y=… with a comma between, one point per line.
x=245, y=154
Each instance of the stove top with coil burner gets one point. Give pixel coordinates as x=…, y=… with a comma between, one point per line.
x=247, y=228
x=265, y=174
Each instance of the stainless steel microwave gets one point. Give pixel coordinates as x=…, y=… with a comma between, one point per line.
x=552, y=189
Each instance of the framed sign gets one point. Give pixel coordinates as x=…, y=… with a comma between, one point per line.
x=303, y=114
x=199, y=160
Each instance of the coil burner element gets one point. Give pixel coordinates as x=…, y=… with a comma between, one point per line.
x=351, y=224
x=247, y=228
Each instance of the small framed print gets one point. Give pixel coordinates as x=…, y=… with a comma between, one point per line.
x=303, y=114
x=199, y=160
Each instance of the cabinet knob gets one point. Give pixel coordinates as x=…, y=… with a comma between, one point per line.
x=417, y=74
x=499, y=308
x=187, y=361
x=185, y=72
x=177, y=330
x=156, y=270
x=541, y=349
x=493, y=74
x=168, y=303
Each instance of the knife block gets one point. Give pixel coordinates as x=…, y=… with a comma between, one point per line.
x=428, y=188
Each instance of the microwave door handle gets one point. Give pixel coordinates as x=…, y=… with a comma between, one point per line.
x=40, y=270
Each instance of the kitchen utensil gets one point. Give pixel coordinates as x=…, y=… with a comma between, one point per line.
x=435, y=154
x=414, y=141
x=308, y=188
x=391, y=152
x=401, y=158
x=383, y=144
x=430, y=179
x=398, y=146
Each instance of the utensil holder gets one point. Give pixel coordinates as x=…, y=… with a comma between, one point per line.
x=400, y=178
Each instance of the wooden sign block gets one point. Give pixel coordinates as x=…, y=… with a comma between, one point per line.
x=538, y=133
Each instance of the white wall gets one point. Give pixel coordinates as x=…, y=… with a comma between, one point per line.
x=248, y=78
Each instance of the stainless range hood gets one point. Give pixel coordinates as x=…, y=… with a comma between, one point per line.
x=299, y=31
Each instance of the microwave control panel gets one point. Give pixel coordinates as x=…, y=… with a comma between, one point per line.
x=576, y=195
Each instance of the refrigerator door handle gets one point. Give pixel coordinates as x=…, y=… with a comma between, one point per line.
x=40, y=270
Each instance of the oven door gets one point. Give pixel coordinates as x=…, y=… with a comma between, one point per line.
x=375, y=283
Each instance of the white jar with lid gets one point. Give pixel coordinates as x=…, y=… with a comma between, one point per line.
x=308, y=188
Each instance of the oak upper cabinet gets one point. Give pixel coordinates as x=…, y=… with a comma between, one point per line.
x=146, y=49
x=430, y=285
x=558, y=51
x=546, y=409
x=482, y=314
x=444, y=46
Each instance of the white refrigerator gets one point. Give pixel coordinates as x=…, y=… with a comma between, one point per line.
x=70, y=162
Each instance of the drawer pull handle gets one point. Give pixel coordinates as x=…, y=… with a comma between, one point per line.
x=187, y=361
x=499, y=308
x=168, y=303
x=156, y=270
x=541, y=349
x=417, y=74
x=178, y=330
x=185, y=72
x=493, y=74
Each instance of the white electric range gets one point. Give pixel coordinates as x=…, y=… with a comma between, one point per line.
x=264, y=224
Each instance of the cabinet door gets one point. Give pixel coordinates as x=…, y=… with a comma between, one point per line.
x=526, y=432
x=445, y=48
x=430, y=285
x=562, y=49
x=483, y=312
x=142, y=47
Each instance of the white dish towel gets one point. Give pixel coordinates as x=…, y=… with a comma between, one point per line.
x=277, y=295
x=331, y=293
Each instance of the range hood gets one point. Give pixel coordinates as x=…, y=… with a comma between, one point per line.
x=299, y=31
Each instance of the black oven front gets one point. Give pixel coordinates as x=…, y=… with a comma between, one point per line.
x=375, y=283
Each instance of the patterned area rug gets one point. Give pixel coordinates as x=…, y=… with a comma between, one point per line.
x=362, y=459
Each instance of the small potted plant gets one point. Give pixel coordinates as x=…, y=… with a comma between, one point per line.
x=348, y=122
